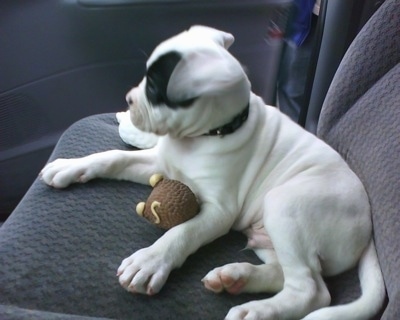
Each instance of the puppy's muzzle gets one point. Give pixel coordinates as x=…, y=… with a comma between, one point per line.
x=136, y=116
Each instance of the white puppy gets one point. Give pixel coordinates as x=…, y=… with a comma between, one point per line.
x=306, y=214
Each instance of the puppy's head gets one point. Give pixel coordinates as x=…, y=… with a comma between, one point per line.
x=192, y=85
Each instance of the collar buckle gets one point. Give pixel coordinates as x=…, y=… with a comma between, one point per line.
x=232, y=126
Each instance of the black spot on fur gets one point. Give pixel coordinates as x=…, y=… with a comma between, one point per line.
x=157, y=78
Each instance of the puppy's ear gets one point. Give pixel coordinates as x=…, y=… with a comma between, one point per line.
x=222, y=38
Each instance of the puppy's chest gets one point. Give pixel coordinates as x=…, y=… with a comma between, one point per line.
x=179, y=160
x=183, y=159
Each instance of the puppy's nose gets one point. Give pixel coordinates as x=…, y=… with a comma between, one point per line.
x=129, y=99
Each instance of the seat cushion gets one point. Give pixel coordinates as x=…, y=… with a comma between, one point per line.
x=62, y=248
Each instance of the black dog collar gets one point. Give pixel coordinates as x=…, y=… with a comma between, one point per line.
x=232, y=126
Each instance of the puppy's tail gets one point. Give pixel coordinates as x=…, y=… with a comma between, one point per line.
x=372, y=297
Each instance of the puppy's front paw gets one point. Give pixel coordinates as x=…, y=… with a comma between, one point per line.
x=145, y=271
x=63, y=172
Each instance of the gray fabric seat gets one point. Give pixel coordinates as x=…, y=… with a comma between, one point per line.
x=60, y=249
x=361, y=119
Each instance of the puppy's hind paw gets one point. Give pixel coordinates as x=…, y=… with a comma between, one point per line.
x=231, y=278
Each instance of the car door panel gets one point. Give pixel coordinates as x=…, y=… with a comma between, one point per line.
x=63, y=60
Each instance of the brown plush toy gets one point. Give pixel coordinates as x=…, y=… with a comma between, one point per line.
x=170, y=203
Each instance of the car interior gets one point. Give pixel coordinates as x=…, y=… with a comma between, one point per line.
x=66, y=66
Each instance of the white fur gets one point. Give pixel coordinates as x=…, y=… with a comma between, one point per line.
x=132, y=135
x=305, y=212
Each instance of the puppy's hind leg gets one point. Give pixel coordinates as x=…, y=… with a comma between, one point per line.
x=236, y=278
x=298, y=297
x=304, y=289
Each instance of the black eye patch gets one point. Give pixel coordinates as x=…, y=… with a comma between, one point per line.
x=157, y=78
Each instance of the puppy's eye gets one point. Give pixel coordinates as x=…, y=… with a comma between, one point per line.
x=152, y=92
x=187, y=103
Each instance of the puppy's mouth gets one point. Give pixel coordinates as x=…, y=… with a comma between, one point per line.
x=138, y=118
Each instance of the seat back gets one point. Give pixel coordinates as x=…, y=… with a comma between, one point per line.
x=361, y=119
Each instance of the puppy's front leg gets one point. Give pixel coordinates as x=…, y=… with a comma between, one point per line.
x=135, y=166
x=147, y=270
